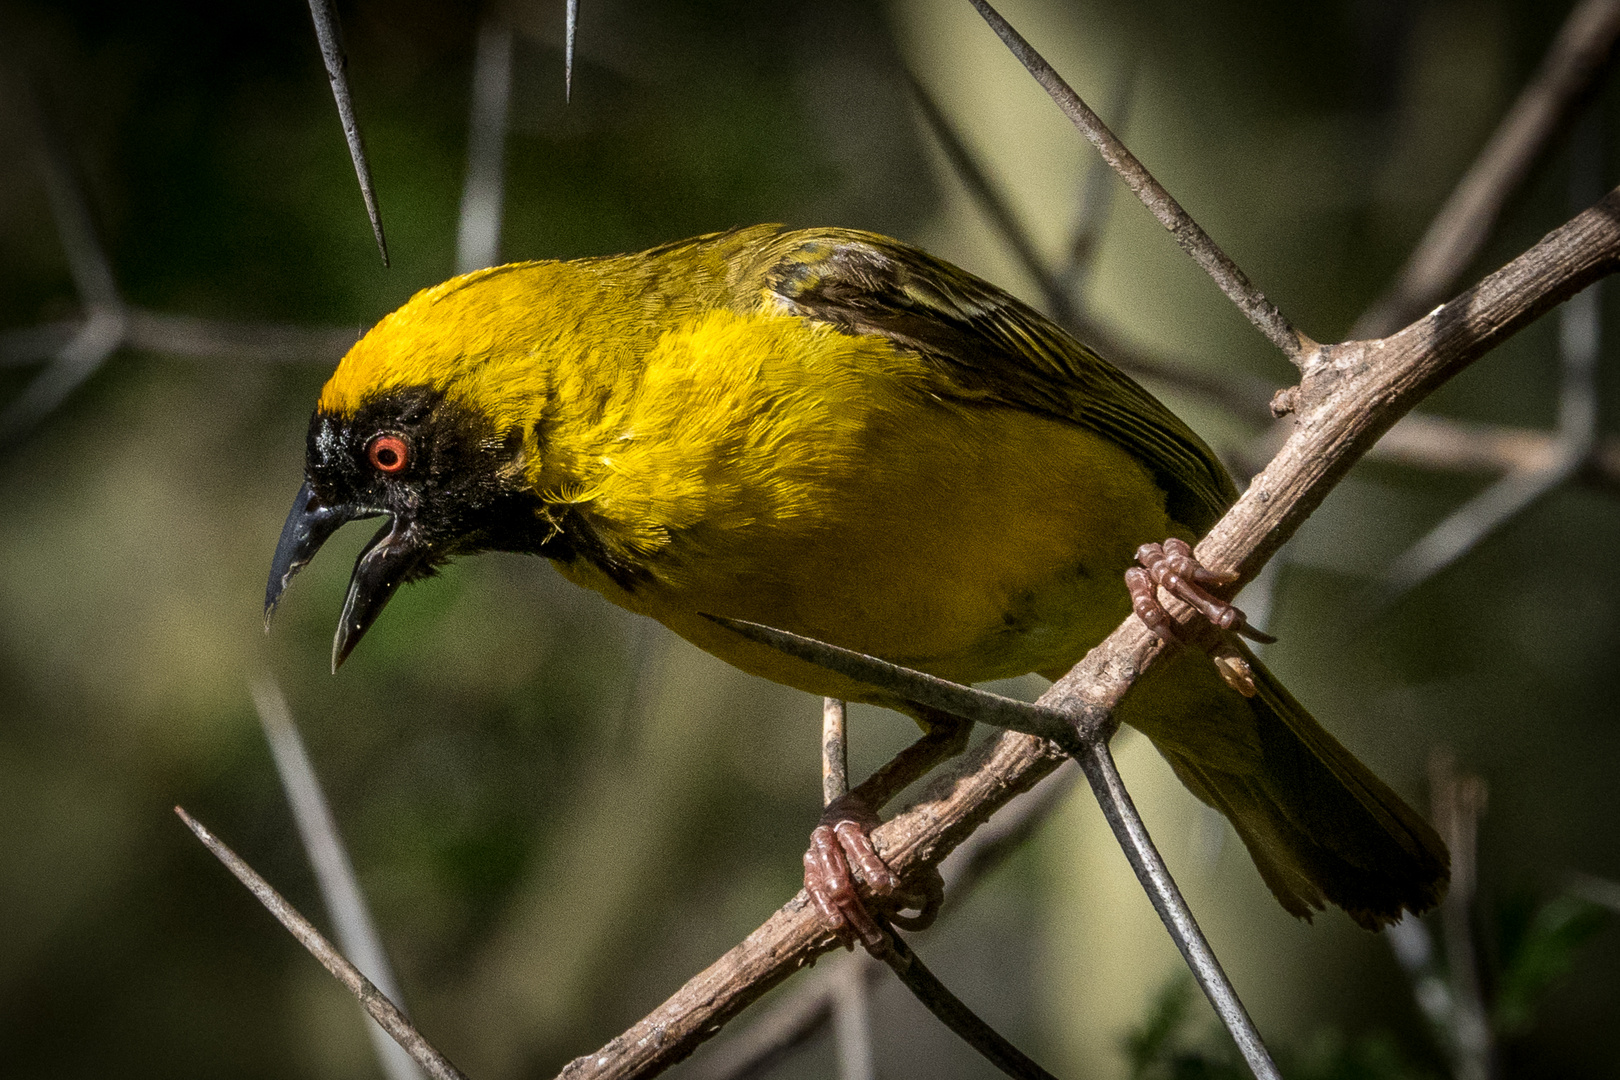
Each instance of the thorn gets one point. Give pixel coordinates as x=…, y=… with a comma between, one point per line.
x=330, y=36
x=568, y=51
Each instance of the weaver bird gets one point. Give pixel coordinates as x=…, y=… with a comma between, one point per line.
x=836, y=434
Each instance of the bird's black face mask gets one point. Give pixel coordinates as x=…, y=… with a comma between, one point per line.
x=447, y=483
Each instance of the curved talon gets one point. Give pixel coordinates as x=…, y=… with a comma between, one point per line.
x=1171, y=566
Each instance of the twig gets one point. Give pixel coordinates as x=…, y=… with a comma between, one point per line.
x=789, y=939
x=1580, y=327
x=1245, y=396
x=790, y=1022
x=834, y=750
x=1459, y=800
x=987, y=850
x=258, y=343
x=382, y=1010
x=1356, y=394
x=1568, y=74
x=1132, y=834
x=1424, y=441
x=36, y=344
x=1464, y=528
x=478, y=232
x=330, y=35
x=1088, y=745
x=1187, y=232
x=92, y=270
x=72, y=366
x=334, y=873
x=186, y=335
x=958, y=1017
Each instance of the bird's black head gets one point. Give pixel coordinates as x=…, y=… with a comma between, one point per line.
x=448, y=482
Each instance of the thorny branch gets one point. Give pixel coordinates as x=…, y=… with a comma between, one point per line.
x=1356, y=393
x=1567, y=77
x=1245, y=396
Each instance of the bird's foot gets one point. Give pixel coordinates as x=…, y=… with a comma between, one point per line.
x=1171, y=566
x=841, y=853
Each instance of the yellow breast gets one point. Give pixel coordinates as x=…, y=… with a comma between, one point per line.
x=774, y=470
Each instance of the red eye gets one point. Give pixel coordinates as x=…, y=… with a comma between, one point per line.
x=388, y=453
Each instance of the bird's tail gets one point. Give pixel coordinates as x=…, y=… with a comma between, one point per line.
x=1317, y=822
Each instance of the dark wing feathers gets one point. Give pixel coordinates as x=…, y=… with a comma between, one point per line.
x=986, y=346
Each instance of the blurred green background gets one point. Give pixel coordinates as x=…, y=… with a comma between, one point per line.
x=558, y=811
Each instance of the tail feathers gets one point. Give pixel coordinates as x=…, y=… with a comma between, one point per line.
x=1319, y=825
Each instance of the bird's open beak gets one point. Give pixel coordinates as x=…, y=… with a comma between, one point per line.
x=386, y=562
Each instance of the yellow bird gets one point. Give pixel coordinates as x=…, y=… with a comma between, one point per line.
x=836, y=434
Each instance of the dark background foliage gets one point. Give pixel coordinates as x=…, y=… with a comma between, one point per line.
x=559, y=812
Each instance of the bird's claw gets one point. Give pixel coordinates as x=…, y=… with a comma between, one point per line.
x=840, y=850
x=1171, y=566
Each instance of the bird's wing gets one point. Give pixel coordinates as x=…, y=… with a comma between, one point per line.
x=983, y=345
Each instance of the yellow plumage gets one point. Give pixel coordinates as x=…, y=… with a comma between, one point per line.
x=834, y=434
x=742, y=456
